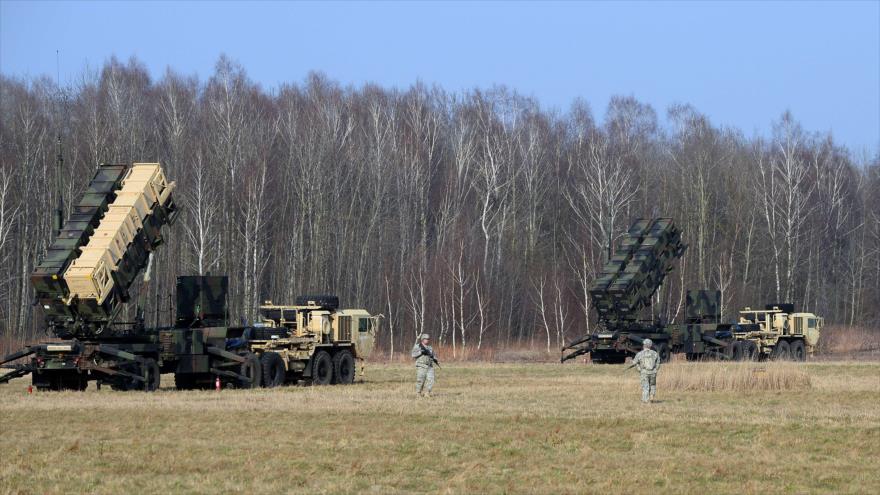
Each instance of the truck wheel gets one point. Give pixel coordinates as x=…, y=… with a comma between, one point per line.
x=322, y=369
x=798, y=352
x=749, y=350
x=782, y=351
x=153, y=375
x=343, y=367
x=274, y=372
x=663, y=352
x=736, y=351
x=251, y=369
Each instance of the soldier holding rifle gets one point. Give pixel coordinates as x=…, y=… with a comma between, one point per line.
x=423, y=353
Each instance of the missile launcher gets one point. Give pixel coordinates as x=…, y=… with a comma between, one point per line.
x=625, y=286
x=636, y=271
x=88, y=270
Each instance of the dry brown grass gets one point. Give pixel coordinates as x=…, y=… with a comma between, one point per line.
x=733, y=377
x=485, y=354
x=846, y=340
x=491, y=428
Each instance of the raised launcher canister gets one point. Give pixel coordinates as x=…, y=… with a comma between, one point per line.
x=637, y=269
x=100, y=277
x=81, y=289
x=48, y=277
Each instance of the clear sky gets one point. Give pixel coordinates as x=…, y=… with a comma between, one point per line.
x=742, y=63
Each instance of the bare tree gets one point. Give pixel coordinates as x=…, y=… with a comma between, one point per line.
x=785, y=195
x=474, y=215
x=602, y=193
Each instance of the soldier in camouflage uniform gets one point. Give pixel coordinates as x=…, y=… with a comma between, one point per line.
x=423, y=353
x=647, y=361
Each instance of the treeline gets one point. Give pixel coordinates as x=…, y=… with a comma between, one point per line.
x=475, y=216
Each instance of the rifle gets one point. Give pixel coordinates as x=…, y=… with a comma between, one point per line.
x=426, y=352
x=633, y=365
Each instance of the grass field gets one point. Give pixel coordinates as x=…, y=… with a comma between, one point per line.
x=500, y=428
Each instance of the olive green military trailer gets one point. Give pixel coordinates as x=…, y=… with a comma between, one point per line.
x=313, y=341
x=633, y=275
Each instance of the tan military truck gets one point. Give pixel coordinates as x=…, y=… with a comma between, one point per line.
x=312, y=341
x=776, y=332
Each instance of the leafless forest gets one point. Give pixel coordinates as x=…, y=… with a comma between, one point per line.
x=475, y=216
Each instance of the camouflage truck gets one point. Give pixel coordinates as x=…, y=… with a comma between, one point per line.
x=313, y=341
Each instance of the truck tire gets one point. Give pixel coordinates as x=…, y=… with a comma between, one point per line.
x=343, y=367
x=153, y=375
x=798, y=351
x=322, y=369
x=750, y=350
x=736, y=351
x=782, y=351
x=663, y=352
x=252, y=369
x=326, y=301
x=274, y=373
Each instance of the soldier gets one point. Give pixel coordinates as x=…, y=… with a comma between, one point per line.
x=425, y=360
x=647, y=361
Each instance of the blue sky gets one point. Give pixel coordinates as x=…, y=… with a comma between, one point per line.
x=741, y=63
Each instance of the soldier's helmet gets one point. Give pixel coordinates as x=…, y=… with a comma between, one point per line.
x=424, y=336
x=647, y=343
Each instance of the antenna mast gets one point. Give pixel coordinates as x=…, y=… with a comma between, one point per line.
x=59, y=212
x=59, y=158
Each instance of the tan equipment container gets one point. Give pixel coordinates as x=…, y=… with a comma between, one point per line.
x=143, y=188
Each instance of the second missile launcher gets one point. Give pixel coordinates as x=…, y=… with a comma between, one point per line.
x=637, y=269
x=627, y=283
x=634, y=274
